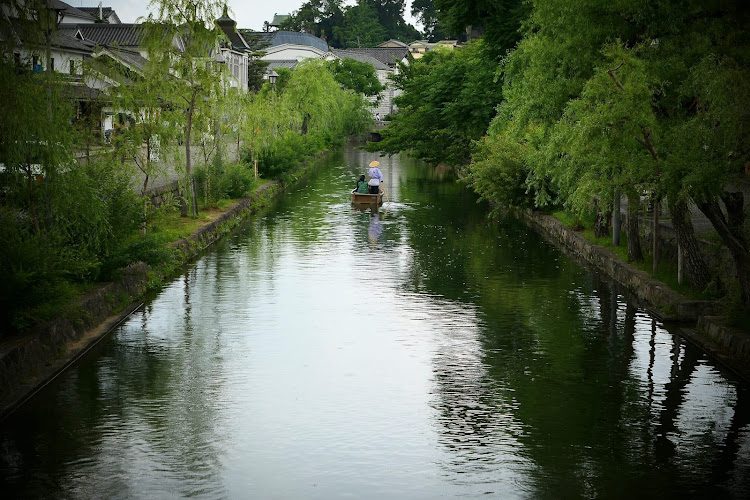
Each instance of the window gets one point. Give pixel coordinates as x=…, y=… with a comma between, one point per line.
x=72, y=66
x=52, y=64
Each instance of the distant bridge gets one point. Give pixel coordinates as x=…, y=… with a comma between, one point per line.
x=374, y=134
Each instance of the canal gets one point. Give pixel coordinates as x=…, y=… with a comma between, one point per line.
x=417, y=352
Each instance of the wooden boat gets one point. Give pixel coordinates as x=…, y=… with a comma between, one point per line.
x=366, y=198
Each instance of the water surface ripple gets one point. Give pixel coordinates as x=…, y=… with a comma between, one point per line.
x=417, y=352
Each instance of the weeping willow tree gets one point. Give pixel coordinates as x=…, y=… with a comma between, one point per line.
x=306, y=112
x=647, y=98
x=183, y=40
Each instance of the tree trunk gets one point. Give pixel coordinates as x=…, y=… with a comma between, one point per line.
x=697, y=269
x=730, y=228
x=616, y=219
x=601, y=224
x=148, y=167
x=189, y=160
x=635, y=252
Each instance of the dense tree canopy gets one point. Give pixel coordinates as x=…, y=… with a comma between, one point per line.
x=356, y=76
x=448, y=99
x=426, y=13
x=364, y=24
x=637, y=98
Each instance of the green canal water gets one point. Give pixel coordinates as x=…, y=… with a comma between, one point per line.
x=419, y=352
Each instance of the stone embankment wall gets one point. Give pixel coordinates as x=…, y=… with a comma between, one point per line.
x=663, y=301
x=727, y=344
x=37, y=357
x=718, y=258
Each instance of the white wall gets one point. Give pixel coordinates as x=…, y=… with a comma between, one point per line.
x=236, y=68
x=61, y=60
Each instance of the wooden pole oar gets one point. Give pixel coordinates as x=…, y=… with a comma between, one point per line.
x=386, y=195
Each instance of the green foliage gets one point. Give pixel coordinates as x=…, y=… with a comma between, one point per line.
x=498, y=20
x=427, y=14
x=88, y=210
x=359, y=77
x=502, y=181
x=305, y=113
x=287, y=153
x=182, y=40
x=317, y=17
x=149, y=131
x=360, y=28
x=256, y=66
x=217, y=180
x=630, y=97
x=448, y=100
x=365, y=24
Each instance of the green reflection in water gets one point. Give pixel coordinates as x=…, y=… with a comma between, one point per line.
x=416, y=352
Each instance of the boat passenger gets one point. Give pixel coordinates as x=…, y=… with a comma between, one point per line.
x=376, y=177
x=362, y=186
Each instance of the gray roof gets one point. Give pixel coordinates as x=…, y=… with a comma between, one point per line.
x=359, y=56
x=393, y=41
x=65, y=41
x=282, y=63
x=69, y=10
x=124, y=35
x=27, y=34
x=275, y=38
x=130, y=58
x=387, y=55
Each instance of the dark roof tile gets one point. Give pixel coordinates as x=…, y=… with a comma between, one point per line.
x=359, y=56
x=124, y=35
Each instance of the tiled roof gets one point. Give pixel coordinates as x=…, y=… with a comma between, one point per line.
x=275, y=38
x=229, y=27
x=282, y=63
x=81, y=91
x=386, y=55
x=257, y=38
x=124, y=35
x=69, y=10
x=65, y=41
x=392, y=42
x=358, y=56
x=130, y=58
x=62, y=38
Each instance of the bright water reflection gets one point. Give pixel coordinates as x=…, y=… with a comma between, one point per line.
x=328, y=352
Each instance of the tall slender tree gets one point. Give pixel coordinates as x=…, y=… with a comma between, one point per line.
x=184, y=40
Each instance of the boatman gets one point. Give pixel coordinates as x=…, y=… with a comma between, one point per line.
x=376, y=177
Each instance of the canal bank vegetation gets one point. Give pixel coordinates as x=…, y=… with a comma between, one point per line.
x=604, y=108
x=68, y=225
